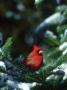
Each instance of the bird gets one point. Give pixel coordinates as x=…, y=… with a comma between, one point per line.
x=35, y=59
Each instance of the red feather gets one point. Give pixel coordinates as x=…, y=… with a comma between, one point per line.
x=34, y=59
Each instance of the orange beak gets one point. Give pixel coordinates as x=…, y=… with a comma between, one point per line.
x=41, y=52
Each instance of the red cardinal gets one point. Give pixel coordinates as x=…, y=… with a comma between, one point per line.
x=34, y=59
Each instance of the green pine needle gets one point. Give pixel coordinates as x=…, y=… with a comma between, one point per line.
x=7, y=46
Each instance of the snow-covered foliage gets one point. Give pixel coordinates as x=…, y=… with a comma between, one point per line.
x=60, y=71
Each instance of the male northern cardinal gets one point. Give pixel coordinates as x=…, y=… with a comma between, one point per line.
x=34, y=59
